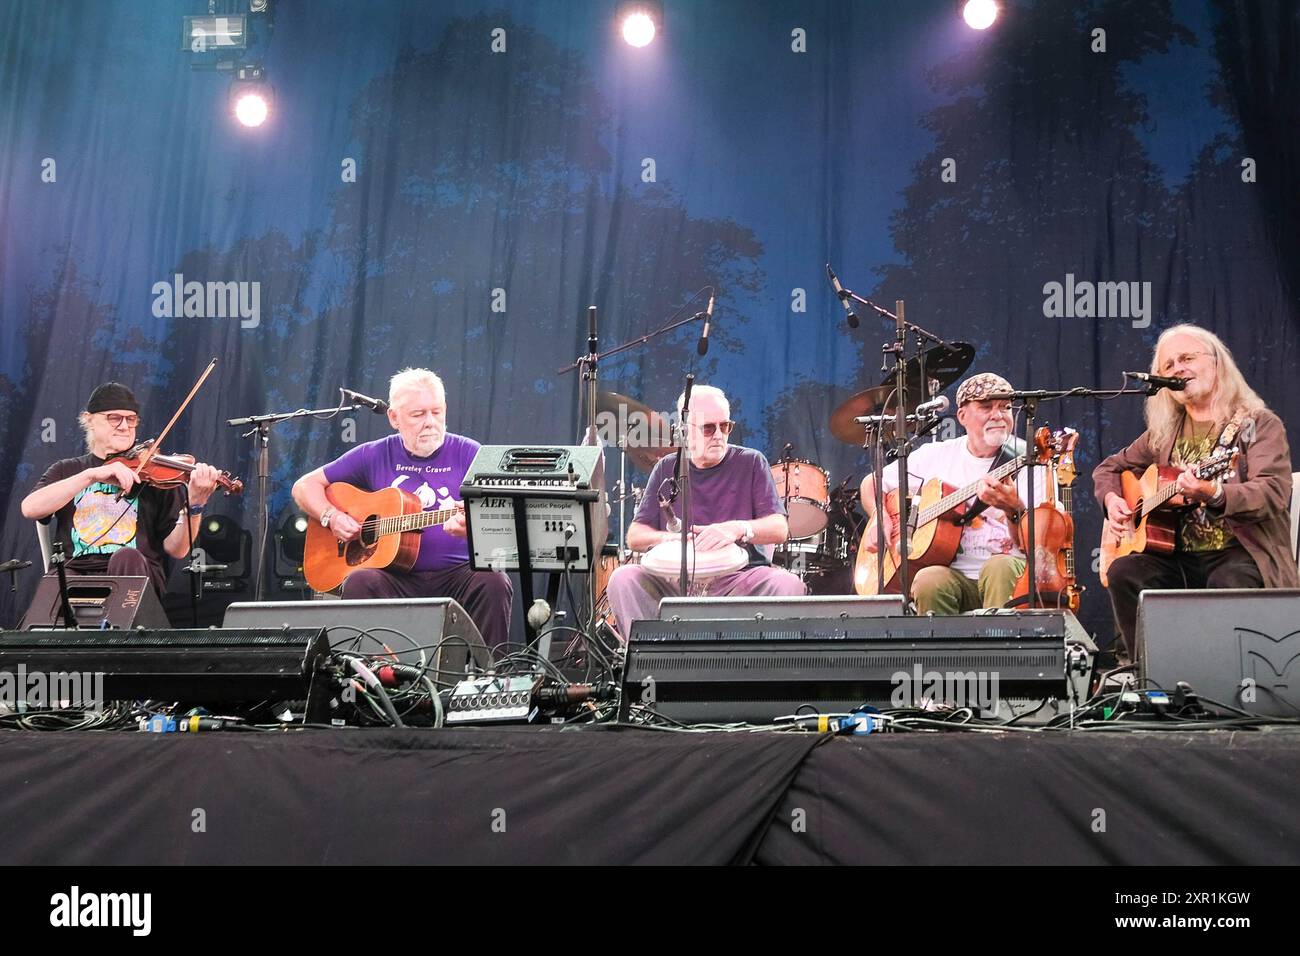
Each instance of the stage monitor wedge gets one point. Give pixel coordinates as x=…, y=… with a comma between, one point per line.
x=752, y=671
x=440, y=626
x=1240, y=647
x=98, y=600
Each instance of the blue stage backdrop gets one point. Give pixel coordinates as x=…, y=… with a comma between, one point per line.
x=452, y=184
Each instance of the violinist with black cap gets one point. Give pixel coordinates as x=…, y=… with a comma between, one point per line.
x=101, y=533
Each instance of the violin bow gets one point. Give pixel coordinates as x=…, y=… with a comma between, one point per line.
x=157, y=442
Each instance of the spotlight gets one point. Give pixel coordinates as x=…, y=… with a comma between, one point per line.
x=290, y=537
x=640, y=20
x=251, y=97
x=980, y=14
x=224, y=542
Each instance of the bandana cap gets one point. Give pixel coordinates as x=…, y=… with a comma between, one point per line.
x=978, y=387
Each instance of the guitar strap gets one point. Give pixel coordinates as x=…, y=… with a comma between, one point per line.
x=1004, y=455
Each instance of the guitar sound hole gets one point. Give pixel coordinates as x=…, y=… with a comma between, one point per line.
x=368, y=535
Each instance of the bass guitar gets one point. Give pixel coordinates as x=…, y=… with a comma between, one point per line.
x=939, y=517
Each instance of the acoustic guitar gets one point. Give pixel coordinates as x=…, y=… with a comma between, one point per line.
x=391, y=521
x=1154, y=527
x=939, y=517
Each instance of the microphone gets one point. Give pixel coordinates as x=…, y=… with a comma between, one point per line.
x=539, y=614
x=376, y=405
x=843, y=295
x=14, y=565
x=1159, y=381
x=591, y=330
x=703, y=347
x=934, y=407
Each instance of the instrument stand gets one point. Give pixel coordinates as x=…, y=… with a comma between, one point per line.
x=58, y=559
x=1030, y=400
x=261, y=435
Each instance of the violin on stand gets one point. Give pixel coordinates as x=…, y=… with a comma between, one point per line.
x=1057, y=585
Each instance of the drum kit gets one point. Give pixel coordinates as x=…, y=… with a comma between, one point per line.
x=825, y=522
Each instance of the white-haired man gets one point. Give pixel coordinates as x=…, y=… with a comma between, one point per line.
x=1239, y=534
x=733, y=501
x=429, y=462
x=989, y=559
x=101, y=532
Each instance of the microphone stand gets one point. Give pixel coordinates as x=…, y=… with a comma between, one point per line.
x=57, y=558
x=588, y=364
x=684, y=483
x=261, y=435
x=1030, y=399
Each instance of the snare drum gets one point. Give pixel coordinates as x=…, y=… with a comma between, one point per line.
x=805, y=489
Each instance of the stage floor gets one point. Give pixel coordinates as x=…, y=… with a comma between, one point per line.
x=608, y=794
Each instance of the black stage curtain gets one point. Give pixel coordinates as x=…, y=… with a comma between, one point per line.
x=515, y=795
x=468, y=796
x=1204, y=798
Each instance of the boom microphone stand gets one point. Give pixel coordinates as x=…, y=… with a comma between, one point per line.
x=1030, y=400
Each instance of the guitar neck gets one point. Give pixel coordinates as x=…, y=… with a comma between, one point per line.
x=416, y=521
x=1166, y=491
x=948, y=502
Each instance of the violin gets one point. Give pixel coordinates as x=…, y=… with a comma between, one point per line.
x=1054, y=534
x=169, y=471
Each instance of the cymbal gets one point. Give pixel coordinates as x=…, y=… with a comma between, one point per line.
x=943, y=364
x=644, y=435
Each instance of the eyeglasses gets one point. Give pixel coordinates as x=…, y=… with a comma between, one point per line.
x=710, y=427
x=117, y=421
x=1185, y=359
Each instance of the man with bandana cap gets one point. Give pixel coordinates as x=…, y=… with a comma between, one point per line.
x=989, y=559
x=100, y=533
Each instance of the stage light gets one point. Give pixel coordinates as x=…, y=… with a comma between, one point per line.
x=980, y=14
x=251, y=109
x=639, y=21
x=223, y=541
x=290, y=539
x=251, y=97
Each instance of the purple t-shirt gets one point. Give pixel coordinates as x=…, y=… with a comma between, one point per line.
x=738, y=488
x=435, y=480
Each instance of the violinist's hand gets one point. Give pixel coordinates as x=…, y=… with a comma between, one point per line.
x=455, y=525
x=203, y=482
x=113, y=473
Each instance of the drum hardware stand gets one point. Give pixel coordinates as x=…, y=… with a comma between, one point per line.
x=261, y=435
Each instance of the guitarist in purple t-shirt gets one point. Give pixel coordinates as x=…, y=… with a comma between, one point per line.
x=733, y=502
x=425, y=460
